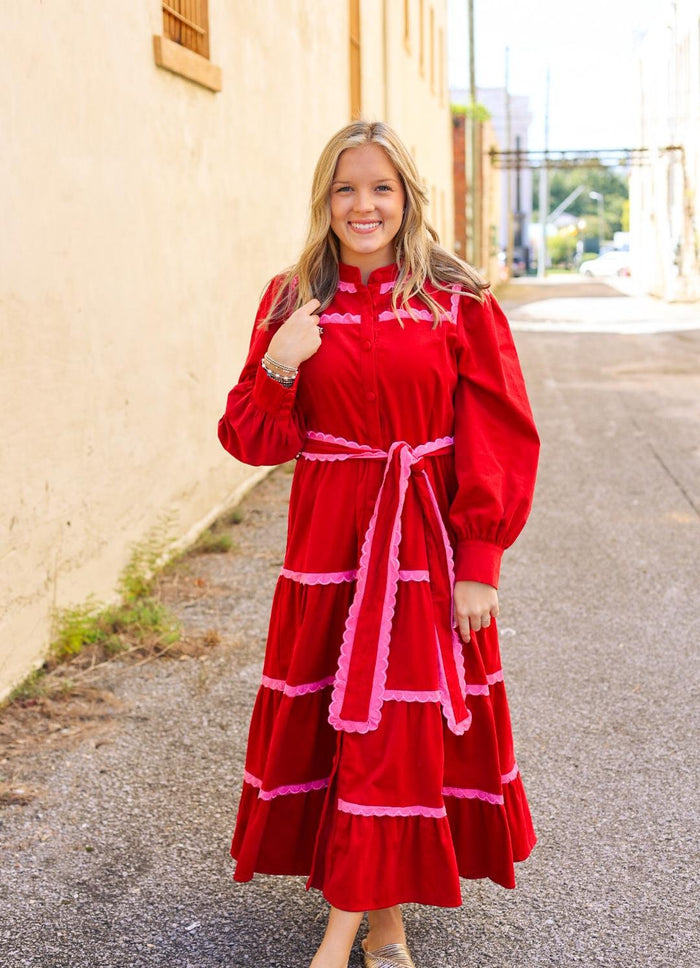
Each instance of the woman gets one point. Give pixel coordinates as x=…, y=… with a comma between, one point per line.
x=380, y=759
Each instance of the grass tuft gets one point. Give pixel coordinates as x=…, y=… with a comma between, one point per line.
x=138, y=577
x=232, y=517
x=211, y=542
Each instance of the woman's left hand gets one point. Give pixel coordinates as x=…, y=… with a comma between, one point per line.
x=475, y=605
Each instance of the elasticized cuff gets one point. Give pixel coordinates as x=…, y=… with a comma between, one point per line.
x=273, y=397
x=478, y=561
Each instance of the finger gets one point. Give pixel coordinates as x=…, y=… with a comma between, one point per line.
x=465, y=633
x=311, y=305
x=475, y=622
x=486, y=620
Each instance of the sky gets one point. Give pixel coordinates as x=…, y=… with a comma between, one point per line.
x=589, y=47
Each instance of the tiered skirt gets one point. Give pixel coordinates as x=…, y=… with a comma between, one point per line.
x=393, y=815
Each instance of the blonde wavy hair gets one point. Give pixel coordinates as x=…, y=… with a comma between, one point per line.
x=419, y=256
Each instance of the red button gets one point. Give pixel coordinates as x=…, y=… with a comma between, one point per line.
x=371, y=395
x=367, y=345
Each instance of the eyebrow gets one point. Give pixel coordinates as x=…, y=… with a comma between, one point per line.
x=377, y=181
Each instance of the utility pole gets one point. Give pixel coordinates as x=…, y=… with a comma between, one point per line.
x=509, y=173
x=544, y=191
x=475, y=213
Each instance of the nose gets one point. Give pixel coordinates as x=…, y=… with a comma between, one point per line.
x=364, y=202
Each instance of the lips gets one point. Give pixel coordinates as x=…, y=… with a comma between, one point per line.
x=364, y=227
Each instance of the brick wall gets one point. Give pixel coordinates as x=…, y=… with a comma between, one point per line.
x=459, y=162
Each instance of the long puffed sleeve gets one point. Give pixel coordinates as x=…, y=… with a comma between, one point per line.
x=496, y=443
x=261, y=424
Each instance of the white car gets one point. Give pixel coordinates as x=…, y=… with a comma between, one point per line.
x=613, y=263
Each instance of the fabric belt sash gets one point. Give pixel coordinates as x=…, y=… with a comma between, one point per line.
x=359, y=685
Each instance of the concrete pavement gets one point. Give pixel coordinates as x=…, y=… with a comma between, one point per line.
x=122, y=859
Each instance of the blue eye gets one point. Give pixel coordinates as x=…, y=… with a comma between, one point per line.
x=386, y=187
x=343, y=188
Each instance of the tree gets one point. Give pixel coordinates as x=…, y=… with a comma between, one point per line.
x=611, y=183
x=562, y=248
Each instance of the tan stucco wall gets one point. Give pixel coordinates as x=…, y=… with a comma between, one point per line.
x=142, y=216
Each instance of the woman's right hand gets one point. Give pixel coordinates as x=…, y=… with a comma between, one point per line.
x=298, y=337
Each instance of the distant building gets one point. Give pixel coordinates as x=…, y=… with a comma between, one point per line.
x=664, y=226
x=477, y=214
x=156, y=172
x=516, y=185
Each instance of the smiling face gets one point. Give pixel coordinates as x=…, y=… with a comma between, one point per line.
x=367, y=200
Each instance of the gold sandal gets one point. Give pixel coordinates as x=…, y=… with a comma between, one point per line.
x=388, y=956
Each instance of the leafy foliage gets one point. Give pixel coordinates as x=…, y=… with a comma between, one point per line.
x=611, y=183
x=476, y=112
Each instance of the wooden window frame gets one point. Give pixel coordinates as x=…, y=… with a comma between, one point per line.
x=431, y=39
x=421, y=38
x=355, y=55
x=183, y=47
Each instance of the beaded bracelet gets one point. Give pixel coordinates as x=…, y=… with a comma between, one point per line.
x=285, y=381
x=280, y=366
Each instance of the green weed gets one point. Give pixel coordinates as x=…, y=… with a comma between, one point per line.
x=138, y=576
x=232, y=517
x=211, y=542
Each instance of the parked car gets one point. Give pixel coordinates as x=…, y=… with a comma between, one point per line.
x=613, y=263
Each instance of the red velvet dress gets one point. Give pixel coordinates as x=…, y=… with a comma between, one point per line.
x=380, y=759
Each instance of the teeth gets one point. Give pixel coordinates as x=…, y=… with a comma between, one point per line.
x=365, y=226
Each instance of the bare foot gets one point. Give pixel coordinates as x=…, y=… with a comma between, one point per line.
x=385, y=927
x=328, y=959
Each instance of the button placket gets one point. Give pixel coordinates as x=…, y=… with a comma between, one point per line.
x=369, y=390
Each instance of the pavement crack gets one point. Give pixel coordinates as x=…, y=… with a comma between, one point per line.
x=673, y=477
x=640, y=430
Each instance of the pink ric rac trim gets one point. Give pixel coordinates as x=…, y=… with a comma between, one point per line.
x=354, y=450
x=413, y=695
x=482, y=688
x=279, y=685
x=386, y=287
x=344, y=318
x=364, y=810
x=397, y=695
x=319, y=577
x=454, y=304
x=510, y=775
x=404, y=314
x=337, y=577
x=457, y=728
x=345, y=286
x=477, y=689
x=465, y=793
x=283, y=791
x=382, y=661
